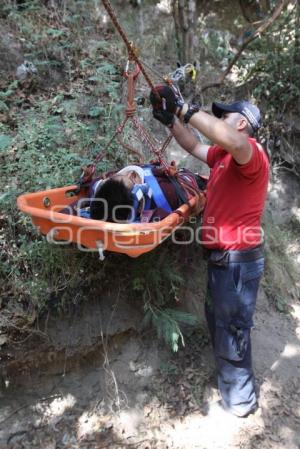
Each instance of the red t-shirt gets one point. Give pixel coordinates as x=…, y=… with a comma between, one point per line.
x=236, y=196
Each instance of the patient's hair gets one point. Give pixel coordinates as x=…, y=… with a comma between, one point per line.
x=114, y=193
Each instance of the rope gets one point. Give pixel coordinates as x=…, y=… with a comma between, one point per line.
x=131, y=50
x=145, y=136
x=166, y=143
x=132, y=150
x=89, y=170
x=133, y=56
x=155, y=72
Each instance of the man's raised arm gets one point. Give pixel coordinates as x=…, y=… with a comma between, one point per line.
x=188, y=141
x=222, y=134
x=167, y=106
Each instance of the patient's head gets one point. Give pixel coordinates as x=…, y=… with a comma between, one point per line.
x=115, y=193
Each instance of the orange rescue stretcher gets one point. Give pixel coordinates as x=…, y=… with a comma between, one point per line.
x=132, y=239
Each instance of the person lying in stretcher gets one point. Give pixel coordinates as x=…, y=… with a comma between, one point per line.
x=143, y=194
x=139, y=194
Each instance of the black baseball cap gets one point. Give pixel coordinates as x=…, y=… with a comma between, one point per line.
x=247, y=109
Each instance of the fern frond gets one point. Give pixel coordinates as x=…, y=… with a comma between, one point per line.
x=167, y=324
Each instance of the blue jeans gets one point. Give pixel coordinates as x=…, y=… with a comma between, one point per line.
x=232, y=292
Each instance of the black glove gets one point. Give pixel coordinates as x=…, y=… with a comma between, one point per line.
x=165, y=98
x=164, y=117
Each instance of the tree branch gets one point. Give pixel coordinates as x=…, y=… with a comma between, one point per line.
x=258, y=32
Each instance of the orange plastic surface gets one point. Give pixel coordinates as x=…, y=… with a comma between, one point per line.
x=132, y=239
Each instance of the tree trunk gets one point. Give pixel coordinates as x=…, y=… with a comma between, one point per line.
x=297, y=36
x=184, y=15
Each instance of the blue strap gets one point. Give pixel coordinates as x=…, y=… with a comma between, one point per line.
x=158, y=195
x=138, y=192
x=85, y=213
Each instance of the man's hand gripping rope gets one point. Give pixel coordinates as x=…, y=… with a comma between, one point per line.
x=166, y=103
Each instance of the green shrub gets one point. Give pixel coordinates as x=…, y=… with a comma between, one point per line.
x=280, y=281
x=275, y=69
x=156, y=278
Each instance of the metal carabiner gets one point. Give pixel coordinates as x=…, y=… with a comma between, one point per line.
x=131, y=81
x=135, y=73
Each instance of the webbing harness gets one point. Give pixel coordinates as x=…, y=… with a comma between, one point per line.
x=184, y=184
x=158, y=195
x=138, y=193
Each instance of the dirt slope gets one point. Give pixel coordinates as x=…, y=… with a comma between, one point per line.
x=131, y=392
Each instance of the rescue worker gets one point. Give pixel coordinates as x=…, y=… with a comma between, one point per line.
x=231, y=234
